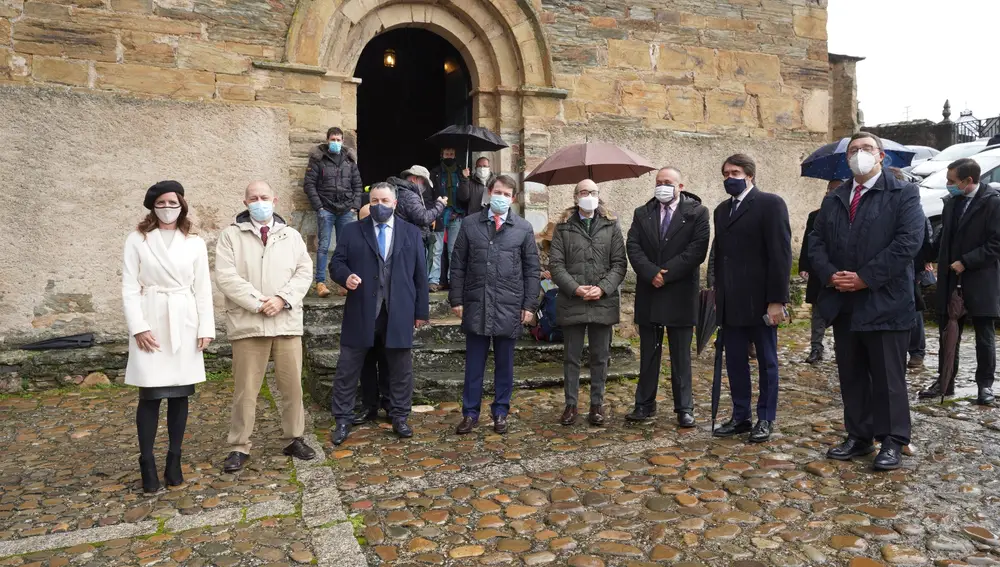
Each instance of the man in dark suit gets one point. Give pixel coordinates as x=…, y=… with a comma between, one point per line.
x=969, y=255
x=866, y=236
x=812, y=285
x=381, y=262
x=753, y=265
x=667, y=242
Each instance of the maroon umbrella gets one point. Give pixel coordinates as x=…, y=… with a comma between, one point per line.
x=949, y=339
x=596, y=160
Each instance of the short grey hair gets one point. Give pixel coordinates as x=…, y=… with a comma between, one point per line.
x=384, y=185
x=670, y=168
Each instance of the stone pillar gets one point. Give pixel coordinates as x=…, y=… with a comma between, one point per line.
x=844, y=95
x=542, y=113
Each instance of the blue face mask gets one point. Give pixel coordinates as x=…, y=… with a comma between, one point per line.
x=954, y=191
x=336, y=146
x=261, y=211
x=735, y=186
x=499, y=204
x=380, y=213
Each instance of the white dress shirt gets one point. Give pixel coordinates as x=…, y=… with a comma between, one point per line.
x=864, y=187
x=257, y=226
x=389, y=229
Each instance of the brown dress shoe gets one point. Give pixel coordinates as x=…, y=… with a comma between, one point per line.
x=568, y=416
x=322, y=290
x=596, y=416
x=434, y=288
x=468, y=424
x=341, y=291
x=500, y=424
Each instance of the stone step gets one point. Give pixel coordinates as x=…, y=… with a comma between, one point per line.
x=330, y=310
x=446, y=330
x=448, y=357
x=447, y=385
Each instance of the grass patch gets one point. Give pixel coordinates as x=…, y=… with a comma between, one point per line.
x=220, y=376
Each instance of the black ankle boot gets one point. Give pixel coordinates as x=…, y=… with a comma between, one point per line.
x=150, y=480
x=172, y=474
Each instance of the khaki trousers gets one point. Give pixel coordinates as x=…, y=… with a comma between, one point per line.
x=250, y=357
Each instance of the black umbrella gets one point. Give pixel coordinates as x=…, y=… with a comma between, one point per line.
x=949, y=338
x=85, y=340
x=472, y=138
x=706, y=318
x=717, y=378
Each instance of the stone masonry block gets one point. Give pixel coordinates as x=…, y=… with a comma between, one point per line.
x=687, y=58
x=816, y=111
x=685, y=104
x=147, y=48
x=644, y=99
x=11, y=8
x=181, y=83
x=4, y=31
x=810, y=23
x=780, y=112
x=62, y=71
x=65, y=39
x=726, y=108
x=207, y=57
x=596, y=86
x=630, y=54
x=742, y=66
x=141, y=6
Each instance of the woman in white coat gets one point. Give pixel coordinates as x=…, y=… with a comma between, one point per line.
x=168, y=309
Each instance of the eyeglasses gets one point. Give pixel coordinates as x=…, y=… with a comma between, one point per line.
x=869, y=149
x=586, y=193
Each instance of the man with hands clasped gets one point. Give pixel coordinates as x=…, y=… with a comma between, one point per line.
x=862, y=247
x=264, y=270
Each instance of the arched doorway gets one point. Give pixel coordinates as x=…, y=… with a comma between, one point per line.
x=413, y=83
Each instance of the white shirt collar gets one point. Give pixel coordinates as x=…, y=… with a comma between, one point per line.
x=390, y=224
x=972, y=193
x=867, y=184
x=257, y=226
x=503, y=217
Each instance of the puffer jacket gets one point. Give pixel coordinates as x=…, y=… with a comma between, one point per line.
x=474, y=195
x=333, y=181
x=578, y=257
x=494, y=275
x=410, y=206
x=246, y=272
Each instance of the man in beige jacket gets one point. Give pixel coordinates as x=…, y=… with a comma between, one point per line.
x=264, y=270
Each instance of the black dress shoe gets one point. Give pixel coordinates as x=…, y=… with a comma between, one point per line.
x=371, y=414
x=235, y=461
x=730, y=428
x=172, y=474
x=933, y=390
x=849, y=449
x=640, y=415
x=500, y=424
x=685, y=419
x=761, y=431
x=568, y=416
x=468, y=424
x=400, y=427
x=341, y=432
x=915, y=362
x=298, y=449
x=596, y=415
x=150, y=480
x=889, y=458
x=814, y=357
x=986, y=397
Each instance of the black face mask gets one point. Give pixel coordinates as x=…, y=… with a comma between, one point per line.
x=449, y=161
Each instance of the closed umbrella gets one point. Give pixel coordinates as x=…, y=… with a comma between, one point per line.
x=706, y=318
x=949, y=338
x=717, y=377
x=595, y=160
x=830, y=161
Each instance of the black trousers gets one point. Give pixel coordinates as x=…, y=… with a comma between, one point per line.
x=872, y=368
x=651, y=354
x=375, y=380
x=986, y=353
x=399, y=367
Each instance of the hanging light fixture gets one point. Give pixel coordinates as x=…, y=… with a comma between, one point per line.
x=389, y=58
x=450, y=66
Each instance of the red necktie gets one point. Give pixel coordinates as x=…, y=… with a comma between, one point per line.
x=263, y=234
x=498, y=221
x=855, y=201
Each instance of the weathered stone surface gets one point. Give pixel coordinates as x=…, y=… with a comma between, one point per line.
x=816, y=111
x=65, y=39
x=148, y=48
x=630, y=54
x=899, y=555
x=685, y=104
x=96, y=379
x=154, y=80
x=141, y=6
x=730, y=109
x=780, y=112
x=740, y=67
x=47, y=70
x=810, y=23
x=206, y=57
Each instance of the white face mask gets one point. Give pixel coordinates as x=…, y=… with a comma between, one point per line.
x=862, y=163
x=665, y=193
x=168, y=216
x=588, y=203
x=483, y=173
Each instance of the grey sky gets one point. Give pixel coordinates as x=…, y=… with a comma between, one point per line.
x=919, y=53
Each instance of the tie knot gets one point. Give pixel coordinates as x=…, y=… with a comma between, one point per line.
x=264, y=230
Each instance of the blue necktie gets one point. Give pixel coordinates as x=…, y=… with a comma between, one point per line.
x=381, y=240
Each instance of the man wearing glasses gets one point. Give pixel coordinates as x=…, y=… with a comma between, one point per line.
x=588, y=263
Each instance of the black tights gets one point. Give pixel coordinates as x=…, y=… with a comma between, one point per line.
x=147, y=417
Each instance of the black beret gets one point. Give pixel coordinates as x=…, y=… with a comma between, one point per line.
x=161, y=188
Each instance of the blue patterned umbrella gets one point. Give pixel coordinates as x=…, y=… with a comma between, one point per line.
x=830, y=161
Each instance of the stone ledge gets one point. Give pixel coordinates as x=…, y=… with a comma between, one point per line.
x=546, y=92
x=289, y=67
x=79, y=537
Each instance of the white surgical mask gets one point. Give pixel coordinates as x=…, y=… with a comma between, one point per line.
x=862, y=163
x=168, y=215
x=483, y=173
x=588, y=203
x=665, y=193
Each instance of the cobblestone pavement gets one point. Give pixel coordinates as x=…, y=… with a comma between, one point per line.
x=543, y=494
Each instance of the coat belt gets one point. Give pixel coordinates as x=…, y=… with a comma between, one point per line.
x=176, y=302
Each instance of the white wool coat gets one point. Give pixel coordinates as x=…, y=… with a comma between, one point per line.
x=167, y=291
